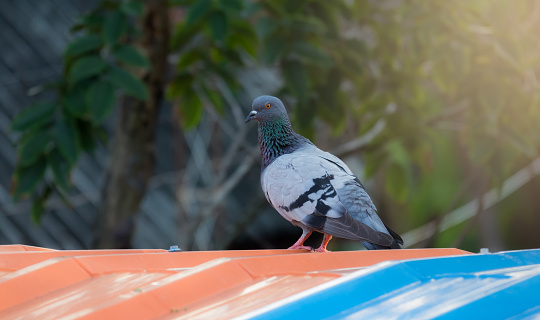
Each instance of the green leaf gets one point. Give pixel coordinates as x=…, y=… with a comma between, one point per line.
x=34, y=116
x=243, y=36
x=60, y=169
x=215, y=98
x=74, y=102
x=128, y=83
x=217, y=56
x=66, y=137
x=38, y=206
x=93, y=21
x=249, y=45
x=132, y=8
x=229, y=55
x=26, y=179
x=229, y=78
x=197, y=11
x=100, y=99
x=182, y=34
x=78, y=26
x=115, y=25
x=83, y=45
x=191, y=110
x=33, y=146
x=179, y=86
x=86, y=67
x=189, y=58
x=397, y=153
x=87, y=135
x=218, y=25
x=129, y=55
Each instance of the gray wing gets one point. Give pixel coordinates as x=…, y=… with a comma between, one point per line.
x=318, y=190
x=358, y=203
x=293, y=195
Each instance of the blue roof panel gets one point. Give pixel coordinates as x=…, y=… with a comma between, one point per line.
x=500, y=285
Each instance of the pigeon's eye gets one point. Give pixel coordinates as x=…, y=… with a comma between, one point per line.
x=268, y=106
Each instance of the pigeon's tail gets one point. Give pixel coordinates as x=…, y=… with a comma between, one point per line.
x=396, y=241
x=371, y=246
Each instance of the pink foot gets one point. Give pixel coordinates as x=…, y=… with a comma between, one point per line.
x=294, y=247
x=324, y=243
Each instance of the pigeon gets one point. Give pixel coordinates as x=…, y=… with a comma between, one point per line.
x=311, y=188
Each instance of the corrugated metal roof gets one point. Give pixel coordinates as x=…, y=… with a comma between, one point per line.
x=143, y=284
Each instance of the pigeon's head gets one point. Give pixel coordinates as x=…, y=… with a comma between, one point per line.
x=267, y=108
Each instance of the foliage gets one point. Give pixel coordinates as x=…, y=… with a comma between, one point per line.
x=53, y=134
x=300, y=38
x=456, y=86
x=213, y=41
x=457, y=74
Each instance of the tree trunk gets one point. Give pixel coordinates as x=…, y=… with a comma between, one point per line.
x=133, y=151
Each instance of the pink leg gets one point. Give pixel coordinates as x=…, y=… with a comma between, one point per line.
x=324, y=243
x=300, y=243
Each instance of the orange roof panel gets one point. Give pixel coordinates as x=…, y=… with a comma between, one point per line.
x=20, y=247
x=15, y=260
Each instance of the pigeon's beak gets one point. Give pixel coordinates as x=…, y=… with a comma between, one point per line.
x=250, y=116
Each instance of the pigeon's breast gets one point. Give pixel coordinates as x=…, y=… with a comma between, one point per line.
x=277, y=180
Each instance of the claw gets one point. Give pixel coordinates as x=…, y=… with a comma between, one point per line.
x=294, y=247
x=300, y=243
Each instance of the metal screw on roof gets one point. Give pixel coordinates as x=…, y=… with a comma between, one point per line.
x=174, y=248
x=484, y=251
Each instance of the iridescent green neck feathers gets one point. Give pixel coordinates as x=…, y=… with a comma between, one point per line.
x=276, y=138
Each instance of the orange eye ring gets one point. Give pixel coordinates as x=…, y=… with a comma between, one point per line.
x=268, y=106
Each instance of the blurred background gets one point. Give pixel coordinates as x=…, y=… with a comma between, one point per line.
x=121, y=122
